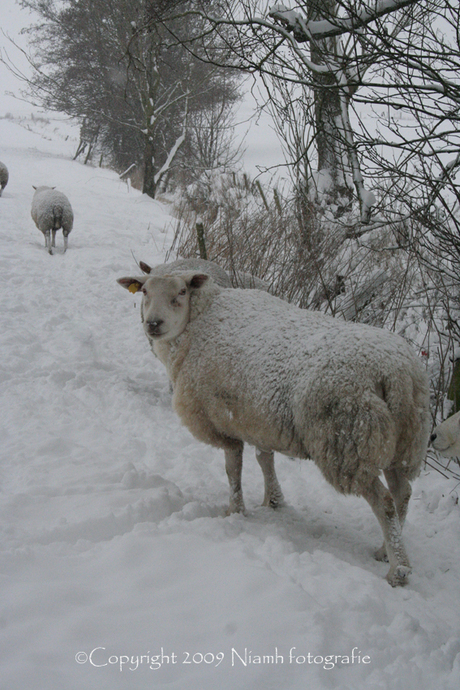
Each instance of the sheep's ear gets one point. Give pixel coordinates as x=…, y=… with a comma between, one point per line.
x=198, y=280
x=34, y=187
x=132, y=284
x=145, y=268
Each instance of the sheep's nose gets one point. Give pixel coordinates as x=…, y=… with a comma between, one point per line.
x=433, y=437
x=153, y=327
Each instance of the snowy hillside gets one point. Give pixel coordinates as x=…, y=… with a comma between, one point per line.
x=118, y=566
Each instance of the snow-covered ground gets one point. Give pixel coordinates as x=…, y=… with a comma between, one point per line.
x=119, y=568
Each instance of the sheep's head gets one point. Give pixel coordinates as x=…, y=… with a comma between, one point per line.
x=446, y=437
x=165, y=302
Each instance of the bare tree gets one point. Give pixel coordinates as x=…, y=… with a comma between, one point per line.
x=329, y=58
x=120, y=71
x=366, y=97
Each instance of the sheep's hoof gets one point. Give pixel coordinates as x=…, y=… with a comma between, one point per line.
x=232, y=509
x=381, y=554
x=273, y=501
x=399, y=575
x=273, y=496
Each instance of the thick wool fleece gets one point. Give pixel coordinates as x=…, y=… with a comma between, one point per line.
x=250, y=367
x=51, y=210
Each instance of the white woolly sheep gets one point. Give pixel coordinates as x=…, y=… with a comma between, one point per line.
x=249, y=368
x=51, y=210
x=4, y=176
x=446, y=437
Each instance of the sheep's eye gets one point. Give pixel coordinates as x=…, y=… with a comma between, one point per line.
x=144, y=291
x=180, y=293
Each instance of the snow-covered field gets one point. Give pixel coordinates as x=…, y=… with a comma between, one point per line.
x=119, y=568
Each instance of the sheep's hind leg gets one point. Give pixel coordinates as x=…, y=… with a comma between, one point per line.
x=273, y=494
x=401, y=491
x=48, y=242
x=65, y=241
x=234, y=467
x=381, y=502
x=53, y=243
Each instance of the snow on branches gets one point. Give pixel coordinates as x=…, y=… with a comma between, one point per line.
x=304, y=30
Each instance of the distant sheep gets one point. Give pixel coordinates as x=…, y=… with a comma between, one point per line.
x=446, y=437
x=4, y=176
x=51, y=210
x=249, y=368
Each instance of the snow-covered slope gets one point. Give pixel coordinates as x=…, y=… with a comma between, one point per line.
x=119, y=568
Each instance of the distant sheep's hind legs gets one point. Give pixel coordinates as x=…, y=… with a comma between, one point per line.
x=273, y=494
x=381, y=502
x=48, y=241
x=234, y=467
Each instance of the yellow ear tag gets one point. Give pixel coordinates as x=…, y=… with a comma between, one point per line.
x=134, y=287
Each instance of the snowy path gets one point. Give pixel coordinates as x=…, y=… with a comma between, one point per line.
x=115, y=548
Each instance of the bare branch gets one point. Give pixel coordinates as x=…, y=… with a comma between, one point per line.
x=304, y=30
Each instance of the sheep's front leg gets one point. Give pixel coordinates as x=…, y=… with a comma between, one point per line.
x=53, y=243
x=234, y=467
x=381, y=502
x=273, y=494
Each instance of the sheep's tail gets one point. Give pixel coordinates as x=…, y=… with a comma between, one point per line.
x=407, y=398
x=349, y=433
x=366, y=441
x=58, y=212
x=353, y=433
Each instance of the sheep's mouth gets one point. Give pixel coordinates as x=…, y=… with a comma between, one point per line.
x=155, y=334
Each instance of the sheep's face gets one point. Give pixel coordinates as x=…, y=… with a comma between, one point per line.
x=165, y=302
x=165, y=307
x=446, y=437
